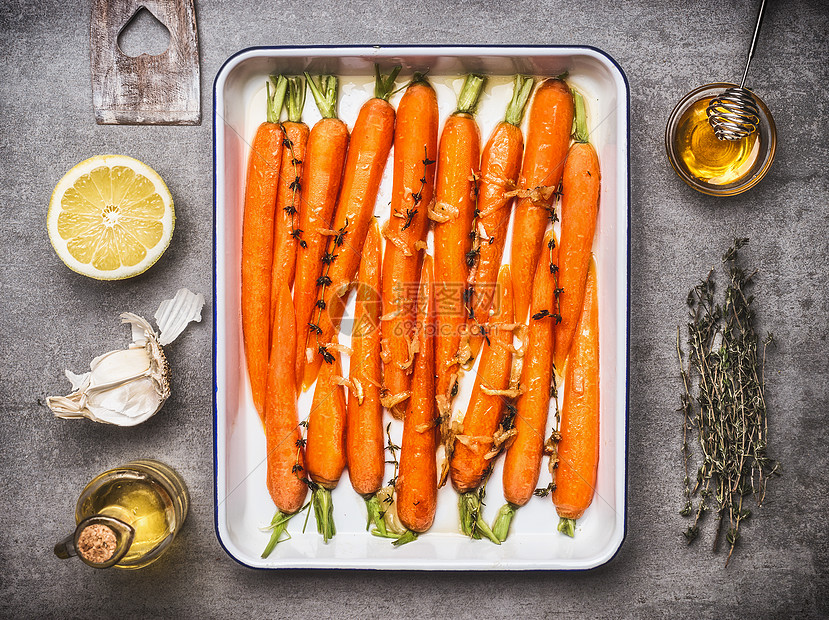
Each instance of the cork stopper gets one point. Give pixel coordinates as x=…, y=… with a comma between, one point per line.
x=97, y=543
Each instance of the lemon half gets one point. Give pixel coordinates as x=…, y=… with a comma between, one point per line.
x=110, y=217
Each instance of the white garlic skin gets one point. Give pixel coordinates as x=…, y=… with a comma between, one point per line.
x=127, y=386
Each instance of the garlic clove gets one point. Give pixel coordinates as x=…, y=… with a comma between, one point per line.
x=130, y=404
x=119, y=365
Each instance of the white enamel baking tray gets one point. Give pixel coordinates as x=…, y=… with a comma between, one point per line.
x=243, y=506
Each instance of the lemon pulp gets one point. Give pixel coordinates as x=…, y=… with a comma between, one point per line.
x=111, y=217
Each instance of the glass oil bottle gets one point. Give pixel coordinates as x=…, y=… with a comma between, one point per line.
x=127, y=516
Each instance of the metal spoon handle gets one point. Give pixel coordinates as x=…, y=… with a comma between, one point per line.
x=754, y=40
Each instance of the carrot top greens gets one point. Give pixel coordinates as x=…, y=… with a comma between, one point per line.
x=580, y=131
x=295, y=100
x=520, y=95
x=277, y=97
x=471, y=90
x=325, y=94
x=384, y=84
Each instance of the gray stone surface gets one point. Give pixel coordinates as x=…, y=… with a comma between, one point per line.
x=51, y=318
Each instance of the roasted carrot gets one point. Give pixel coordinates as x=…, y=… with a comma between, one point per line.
x=325, y=450
x=364, y=422
x=257, y=242
x=473, y=452
x=289, y=197
x=368, y=151
x=456, y=197
x=580, y=187
x=470, y=462
x=578, y=448
x=417, y=480
x=548, y=137
x=415, y=150
x=285, y=463
x=500, y=165
x=523, y=460
x=322, y=172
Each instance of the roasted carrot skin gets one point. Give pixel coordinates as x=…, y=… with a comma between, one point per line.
x=580, y=187
x=523, y=460
x=257, y=254
x=371, y=140
x=285, y=454
x=578, y=449
x=468, y=465
x=364, y=423
x=417, y=480
x=415, y=153
x=458, y=161
x=288, y=203
x=500, y=165
x=324, y=159
x=325, y=448
x=548, y=138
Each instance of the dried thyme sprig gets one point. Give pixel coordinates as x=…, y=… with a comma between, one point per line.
x=728, y=415
x=328, y=258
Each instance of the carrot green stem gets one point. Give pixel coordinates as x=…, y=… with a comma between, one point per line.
x=520, y=95
x=375, y=516
x=408, y=537
x=473, y=85
x=325, y=94
x=567, y=526
x=275, y=100
x=324, y=513
x=295, y=101
x=279, y=525
x=580, y=132
x=384, y=85
x=500, y=528
x=418, y=78
x=472, y=521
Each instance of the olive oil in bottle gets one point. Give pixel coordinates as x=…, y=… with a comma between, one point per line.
x=127, y=516
x=707, y=158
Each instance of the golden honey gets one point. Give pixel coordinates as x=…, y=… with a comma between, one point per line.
x=707, y=158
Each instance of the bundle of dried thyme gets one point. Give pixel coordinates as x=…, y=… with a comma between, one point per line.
x=723, y=404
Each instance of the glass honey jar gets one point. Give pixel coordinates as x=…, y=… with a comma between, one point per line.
x=708, y=164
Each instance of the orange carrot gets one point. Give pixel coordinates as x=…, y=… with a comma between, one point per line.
x=325, y=450
x=417, y=480
x=455, y=207
x=286, y=482
x=523, y=461
x=578, y=449
x=289, y=197
x=548, y=137
x=500, y=165
x=415, y=146
x=469, y=463
x=257, y=242
x=322, y=172
x=364, y=422
x=368, y=151
x=580, y=187
x=474, y=451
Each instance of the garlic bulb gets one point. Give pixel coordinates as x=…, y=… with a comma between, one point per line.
x=127, y=386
